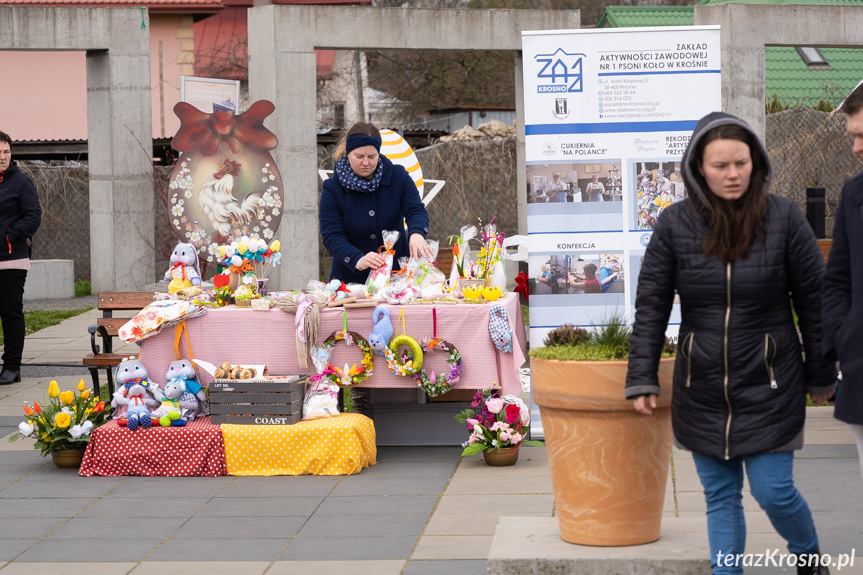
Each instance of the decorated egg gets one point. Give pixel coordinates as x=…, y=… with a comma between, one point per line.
x=400, y=153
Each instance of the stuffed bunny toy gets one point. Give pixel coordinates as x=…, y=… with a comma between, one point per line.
x=382, y=332
x=178, y=406
x=185, y=271
x=184, y=370
x=133, y=394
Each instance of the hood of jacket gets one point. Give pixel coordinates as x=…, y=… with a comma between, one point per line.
x=13, y=168
x=690, y=160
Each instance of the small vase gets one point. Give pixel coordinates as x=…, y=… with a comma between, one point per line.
x=68, y=458
x=263, y=283
x=501, y=457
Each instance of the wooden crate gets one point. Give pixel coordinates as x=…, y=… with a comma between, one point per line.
x=267, y=401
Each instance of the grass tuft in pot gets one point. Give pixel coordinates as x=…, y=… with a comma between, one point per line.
x=610, y=343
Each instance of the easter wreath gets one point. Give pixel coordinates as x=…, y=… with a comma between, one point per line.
x=410, y=367
x=435, y=385
x=354, y=375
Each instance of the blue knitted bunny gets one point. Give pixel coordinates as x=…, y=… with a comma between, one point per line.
x=382, y=331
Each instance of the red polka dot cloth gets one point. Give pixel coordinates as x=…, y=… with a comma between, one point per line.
x=195, y=450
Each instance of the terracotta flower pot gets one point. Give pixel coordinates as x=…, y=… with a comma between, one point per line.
x=68, y=458
x=502, y=456
x=609, y=463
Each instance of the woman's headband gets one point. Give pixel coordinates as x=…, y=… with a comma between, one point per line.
x=355, y=141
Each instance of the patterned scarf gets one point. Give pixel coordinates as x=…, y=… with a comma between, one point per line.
x=350, y=181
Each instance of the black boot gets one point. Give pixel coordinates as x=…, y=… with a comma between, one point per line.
x=810, y=564
x=8, y=376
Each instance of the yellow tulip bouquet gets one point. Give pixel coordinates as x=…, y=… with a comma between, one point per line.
x=65, y=421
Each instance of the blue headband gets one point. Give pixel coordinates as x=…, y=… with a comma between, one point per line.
x=355, y=141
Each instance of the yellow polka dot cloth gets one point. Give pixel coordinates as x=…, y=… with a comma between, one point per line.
x=341, y=445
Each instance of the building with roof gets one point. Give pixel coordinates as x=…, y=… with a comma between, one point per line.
x=45, y=95
x=794, y=76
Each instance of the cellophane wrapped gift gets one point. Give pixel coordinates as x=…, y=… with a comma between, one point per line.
x=492, y=262
x=379, y=278
x=321, y=400
x=463, y=259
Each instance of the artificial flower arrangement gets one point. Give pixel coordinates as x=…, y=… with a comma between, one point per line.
x=66, y=420
x=495, y=422
x=249, y=258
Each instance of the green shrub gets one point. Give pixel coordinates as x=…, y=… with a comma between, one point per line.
x=82, y=288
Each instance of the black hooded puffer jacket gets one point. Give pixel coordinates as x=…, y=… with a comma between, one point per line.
x=740, y=381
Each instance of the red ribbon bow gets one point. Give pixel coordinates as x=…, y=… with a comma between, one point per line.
x=521, y=285
x=182, y=271
x=206, y=132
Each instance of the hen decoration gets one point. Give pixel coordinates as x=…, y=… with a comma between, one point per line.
x=225, y=184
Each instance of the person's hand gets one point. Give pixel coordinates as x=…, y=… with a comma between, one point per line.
x=645, y=404
x=419, y=247
x=372, y=260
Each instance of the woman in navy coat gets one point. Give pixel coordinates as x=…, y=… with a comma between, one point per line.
x=366, y=195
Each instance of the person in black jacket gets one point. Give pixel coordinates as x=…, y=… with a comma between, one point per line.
x=20, y=215
x=843, y=286
x=739, y=259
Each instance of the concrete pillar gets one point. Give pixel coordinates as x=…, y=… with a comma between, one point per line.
x=120, y=141
x=282, y=40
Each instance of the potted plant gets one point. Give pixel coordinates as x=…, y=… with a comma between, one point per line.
x=609, y=464
x=62, y=426
x=498, y=426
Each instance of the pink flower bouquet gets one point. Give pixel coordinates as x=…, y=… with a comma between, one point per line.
x=495, y=421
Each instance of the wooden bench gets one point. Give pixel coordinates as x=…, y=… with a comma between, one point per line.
x=106, y=327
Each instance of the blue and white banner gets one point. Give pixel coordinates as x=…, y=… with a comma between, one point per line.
x=608, y=115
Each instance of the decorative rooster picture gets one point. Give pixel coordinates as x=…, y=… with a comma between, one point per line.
x=219, y=204
x=225, y=183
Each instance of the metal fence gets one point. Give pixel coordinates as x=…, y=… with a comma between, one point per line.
x=808, y=148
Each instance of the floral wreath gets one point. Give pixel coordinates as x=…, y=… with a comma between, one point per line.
x=355, y=375
x=409, y=367
x=435, y=385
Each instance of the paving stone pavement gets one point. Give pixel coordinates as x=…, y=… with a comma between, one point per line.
x=419, y=511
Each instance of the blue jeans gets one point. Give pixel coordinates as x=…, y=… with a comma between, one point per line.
x=772, y=484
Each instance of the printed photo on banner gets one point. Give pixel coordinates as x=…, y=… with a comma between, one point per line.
x=657, y=185
x=574, y=184
x=576, y=273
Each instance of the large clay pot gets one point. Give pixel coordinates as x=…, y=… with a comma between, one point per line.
x=68, y=458
x=609, y=463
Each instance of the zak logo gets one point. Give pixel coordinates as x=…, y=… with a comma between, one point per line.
x=562, y=69
x=561, y=108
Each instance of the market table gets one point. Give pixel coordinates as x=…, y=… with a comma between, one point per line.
x=194, y=450
x=246, y=336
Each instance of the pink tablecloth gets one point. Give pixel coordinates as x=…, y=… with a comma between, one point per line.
x=244, y=336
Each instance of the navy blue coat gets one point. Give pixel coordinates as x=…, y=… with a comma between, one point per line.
x=20, y=212
x=843, y=301
x=352, y=222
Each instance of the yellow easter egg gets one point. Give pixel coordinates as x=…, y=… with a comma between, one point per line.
x=275, y=246
x=400, y=153
x=241, y=248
